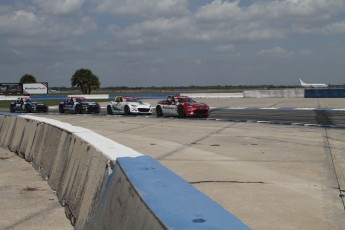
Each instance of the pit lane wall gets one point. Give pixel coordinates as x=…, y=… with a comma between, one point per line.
x=104, y=185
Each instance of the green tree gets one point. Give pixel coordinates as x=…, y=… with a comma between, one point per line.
x=93, y=83
x=85, y=80
x=27, y=78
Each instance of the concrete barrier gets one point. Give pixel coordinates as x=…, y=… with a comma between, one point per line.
x=284, y=93
x=91, y=96
x=213, y=95
x=104, y=185
x=7, y=130
x=10, y=98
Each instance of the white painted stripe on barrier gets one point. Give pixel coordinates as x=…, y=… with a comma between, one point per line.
x=331, y=109
x=304, y=109
x=108, y=147
x=62, y=125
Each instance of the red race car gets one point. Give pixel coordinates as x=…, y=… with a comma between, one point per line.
x=181, y=106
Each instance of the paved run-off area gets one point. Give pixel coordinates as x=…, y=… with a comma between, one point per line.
x=26, y=201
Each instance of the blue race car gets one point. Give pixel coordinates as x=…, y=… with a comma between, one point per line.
x=28, y=105
x=79, y=105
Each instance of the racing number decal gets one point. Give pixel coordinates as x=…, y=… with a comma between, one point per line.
x=171, y=109
x=116, y=107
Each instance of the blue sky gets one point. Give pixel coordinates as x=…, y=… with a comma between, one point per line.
x=174, y=42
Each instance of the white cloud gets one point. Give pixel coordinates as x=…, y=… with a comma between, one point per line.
x=132, y=33
x=306, y=52
x=59, y=7
x=20, y=22
x=313, y=9
x=87, y=24
x=32, y=28
x=219, y=21
x=219, y=11
x=224, y=48
x=298, y=10
x=335, y=28
x=264, y=20
x=142, y=8
x=275, y=52
x=158, y=30
x=113, y=29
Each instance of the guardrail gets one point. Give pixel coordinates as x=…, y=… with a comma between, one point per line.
x=105, y=185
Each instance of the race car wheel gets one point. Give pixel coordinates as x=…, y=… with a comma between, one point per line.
x=12, y=109
x=61, y=109
x=27, y=108
x=159, y=111
x=181, y=113
x=109, y=111
x=127, y=110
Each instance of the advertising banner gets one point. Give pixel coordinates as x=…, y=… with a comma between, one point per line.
x=35, y=88
x=11, y=88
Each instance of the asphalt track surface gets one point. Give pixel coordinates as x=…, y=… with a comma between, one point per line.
x=300, y=111
x=270, y=176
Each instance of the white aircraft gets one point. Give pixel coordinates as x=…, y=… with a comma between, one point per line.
x=313, y=85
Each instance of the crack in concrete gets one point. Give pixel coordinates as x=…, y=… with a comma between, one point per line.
x=281, y=141
x=143, y=126
x=161, y=157
x=341, y=195
x=278, y=103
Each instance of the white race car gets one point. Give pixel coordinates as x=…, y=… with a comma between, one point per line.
x=128, y=105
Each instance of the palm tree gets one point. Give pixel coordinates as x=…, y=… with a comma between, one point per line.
x=93, y=83
x=85, y=80
x=27, y=78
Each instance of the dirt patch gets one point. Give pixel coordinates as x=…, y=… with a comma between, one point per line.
x=30, y=189
x=5, y=156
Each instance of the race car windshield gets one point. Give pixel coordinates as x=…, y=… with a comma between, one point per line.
x=81, y=100
x=130, y=99
x=187, y=99
x=29, y=100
